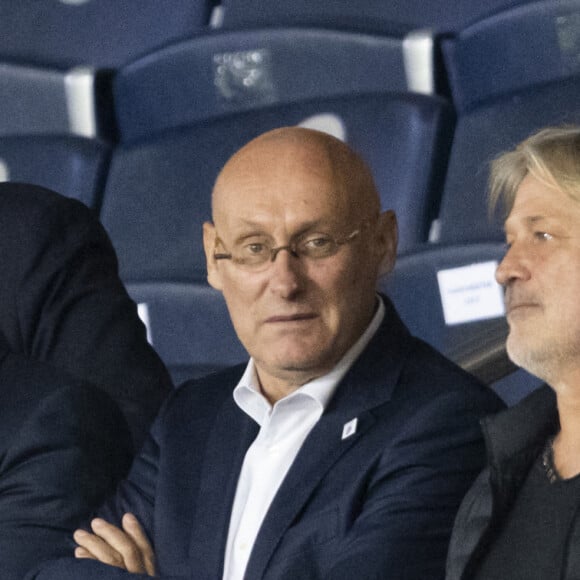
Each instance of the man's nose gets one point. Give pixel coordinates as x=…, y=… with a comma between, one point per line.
x=513, y=266
x=286, y=276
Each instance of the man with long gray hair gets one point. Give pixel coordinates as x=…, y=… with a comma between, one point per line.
x=521, y=520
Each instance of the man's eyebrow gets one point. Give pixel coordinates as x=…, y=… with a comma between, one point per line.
x=534, y=219
x=529, y=221
x=251, y=227
x=250, y=232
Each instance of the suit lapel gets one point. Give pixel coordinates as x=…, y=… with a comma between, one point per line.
x=322, y=449
x=232, y=433
x=368, y=384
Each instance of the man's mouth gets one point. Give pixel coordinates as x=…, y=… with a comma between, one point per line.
x=298, y=317
x=517, y=307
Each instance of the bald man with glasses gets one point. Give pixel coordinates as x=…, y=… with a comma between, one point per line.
x=344, y=446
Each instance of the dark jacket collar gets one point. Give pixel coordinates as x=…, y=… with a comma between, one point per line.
x=513, y=440
x=514, y=437
x=374, y=375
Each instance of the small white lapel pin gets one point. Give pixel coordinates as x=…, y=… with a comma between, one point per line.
x=349, y=428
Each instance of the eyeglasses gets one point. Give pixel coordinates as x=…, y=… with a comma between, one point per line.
x=256, y=255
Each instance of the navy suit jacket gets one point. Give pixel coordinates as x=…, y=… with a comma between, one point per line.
x=64, y=445
x=377, y=504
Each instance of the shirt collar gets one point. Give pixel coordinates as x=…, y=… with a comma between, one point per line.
x=249, y=398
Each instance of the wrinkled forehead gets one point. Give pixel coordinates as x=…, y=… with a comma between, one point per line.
x=538, y=201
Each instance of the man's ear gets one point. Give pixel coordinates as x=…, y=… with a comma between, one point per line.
x=213, y=273
x=387, y=238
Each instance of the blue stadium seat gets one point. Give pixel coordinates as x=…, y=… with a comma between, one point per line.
x=415, y=290
x=394, y=17
x=73, y=166
x=189, y=326
x=516, y=385
x=476, y=344
x=158, y=191
x=511, y=75
x=35, y=99
x=98, y=33
x=55, y=57
x=212, y=75
x=514, y=50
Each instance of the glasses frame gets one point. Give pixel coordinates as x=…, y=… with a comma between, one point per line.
x=291, y=248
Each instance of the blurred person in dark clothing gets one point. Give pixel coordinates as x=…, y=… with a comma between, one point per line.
x=62, y=301
x=79, y=384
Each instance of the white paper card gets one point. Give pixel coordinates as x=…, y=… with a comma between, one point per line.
x=470, y=293
x=4, y=171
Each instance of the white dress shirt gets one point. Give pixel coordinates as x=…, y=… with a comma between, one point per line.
x=283, y=429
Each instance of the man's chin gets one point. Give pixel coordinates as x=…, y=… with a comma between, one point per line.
x=314, y=366
x=532, y=358
x=516, y=349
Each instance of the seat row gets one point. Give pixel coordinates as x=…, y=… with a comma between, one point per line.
x=63, y=77
x=182, y=105
x=109, y=33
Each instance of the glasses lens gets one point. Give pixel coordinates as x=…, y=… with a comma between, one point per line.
x=317, y=247
x=252, y=255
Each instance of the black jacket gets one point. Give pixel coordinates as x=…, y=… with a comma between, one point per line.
x=62, y=301
x=514, y=438
x=63, y=447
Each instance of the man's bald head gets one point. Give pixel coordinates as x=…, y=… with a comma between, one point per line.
x=289, y=149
